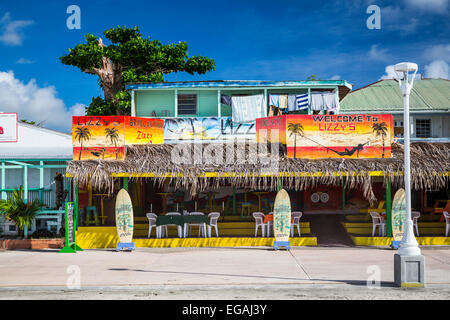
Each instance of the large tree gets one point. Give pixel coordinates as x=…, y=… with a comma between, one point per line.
x=129, y=58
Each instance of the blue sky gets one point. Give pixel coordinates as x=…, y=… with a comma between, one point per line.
x=250, y=40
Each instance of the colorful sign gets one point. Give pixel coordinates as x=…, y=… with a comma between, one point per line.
x=331, y=136
x=398, y=215
x=124, y=218
x=105, y=137
x=213, y=129
x=282, y=217
x=8, y=127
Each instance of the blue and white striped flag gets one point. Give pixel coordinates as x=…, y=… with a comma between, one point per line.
x=302, y=101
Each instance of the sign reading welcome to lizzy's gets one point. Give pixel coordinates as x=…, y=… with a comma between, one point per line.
x=330, y=136
x=105, y=137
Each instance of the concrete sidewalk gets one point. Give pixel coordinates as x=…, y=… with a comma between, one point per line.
x=211, y=268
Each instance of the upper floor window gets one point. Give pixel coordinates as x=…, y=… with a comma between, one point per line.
x=423, y=128
x=187, y=104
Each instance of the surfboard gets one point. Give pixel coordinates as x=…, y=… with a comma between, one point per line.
x=124, y=217
x=282, y=218
x=398, y=215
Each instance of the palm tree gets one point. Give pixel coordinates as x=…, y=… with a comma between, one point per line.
x=381, y=130
x=18, y=211
x=295, y=129
x=113, y=136
x=82, y=134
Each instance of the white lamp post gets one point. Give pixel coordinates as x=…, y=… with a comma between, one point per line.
x=406, y=72
x=409, y=264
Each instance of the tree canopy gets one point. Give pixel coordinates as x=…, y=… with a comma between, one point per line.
x=129, y=58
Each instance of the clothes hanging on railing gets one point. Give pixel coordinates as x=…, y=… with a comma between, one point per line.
x=247, y=108
x=324, y=101
x=302, y=101
x=282, y=101
x=225, y=99
x=273, y=100
x=292, y=106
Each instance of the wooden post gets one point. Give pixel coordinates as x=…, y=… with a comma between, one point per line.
x=343, y=194
x=388, y=208
x=234, y=200
x=77, y=206
x=89, y=193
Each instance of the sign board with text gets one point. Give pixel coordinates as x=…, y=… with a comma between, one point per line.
x=105, y=137
x=8, y=127
x=330, y=136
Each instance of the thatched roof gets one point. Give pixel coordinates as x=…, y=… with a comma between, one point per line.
x=430, y=165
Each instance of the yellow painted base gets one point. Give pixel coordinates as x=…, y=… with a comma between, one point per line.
x=106, y=237
x=386, y=241
x=411, y=285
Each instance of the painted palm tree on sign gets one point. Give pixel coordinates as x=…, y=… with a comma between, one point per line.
x=113, y=136
x=82, y=134
x=295, y=129
x=380, y=129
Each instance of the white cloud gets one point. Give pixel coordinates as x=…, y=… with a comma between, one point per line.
x=336, y=77
x=437, y=6
x=24, y=61
x=11, y=30
x=378, y=54
x=395, y=18
x=438, y=52
x=437, y=69
x=390, y=73
x=34, y=103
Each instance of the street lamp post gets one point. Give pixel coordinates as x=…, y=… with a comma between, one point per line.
x=409, y=264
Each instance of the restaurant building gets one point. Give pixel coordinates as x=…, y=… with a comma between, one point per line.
x=216, y=152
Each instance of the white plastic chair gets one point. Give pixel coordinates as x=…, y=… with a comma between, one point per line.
x=259, y=222
x=213, y=218
x=296, y=215
x=201, y=226
x=151, y=222
x=179, y=228
x=447, y=222
x=173, y=214
x=377, y=220
x=415, y=216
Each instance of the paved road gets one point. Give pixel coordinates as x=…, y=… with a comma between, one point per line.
x=216, y=273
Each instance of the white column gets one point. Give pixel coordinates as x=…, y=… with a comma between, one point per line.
x=176, y=102
x=133, y=103
x=219, y=111
x=266, y=105
x=408, y=245
x=3, y=181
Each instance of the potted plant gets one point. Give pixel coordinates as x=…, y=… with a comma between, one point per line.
x=18, y=211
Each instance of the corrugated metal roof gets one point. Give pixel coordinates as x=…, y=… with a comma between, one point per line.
x=385, y=95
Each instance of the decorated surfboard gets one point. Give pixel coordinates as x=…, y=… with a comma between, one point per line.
x=398, y=215
x=282, y=219
x=124, y=220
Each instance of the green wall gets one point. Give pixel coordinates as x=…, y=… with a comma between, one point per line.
x=156, y=102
